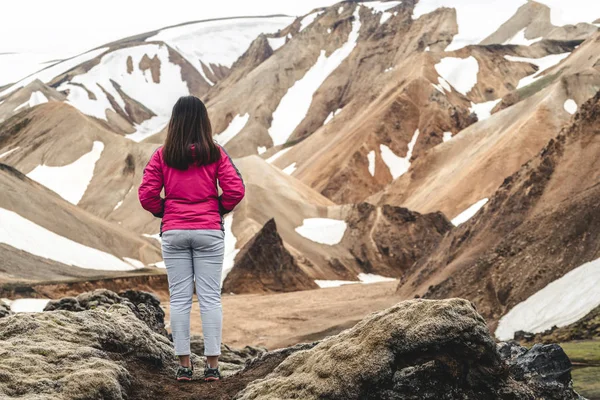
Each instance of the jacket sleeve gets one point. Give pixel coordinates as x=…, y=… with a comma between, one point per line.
x=152, y=185
x=231, y=183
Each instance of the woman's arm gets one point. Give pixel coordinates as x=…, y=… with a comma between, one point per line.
x=152, y=185
x=231, y=182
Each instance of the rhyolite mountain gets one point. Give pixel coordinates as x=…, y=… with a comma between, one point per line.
x=362, y=129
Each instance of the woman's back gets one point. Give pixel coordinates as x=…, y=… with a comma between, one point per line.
x=191, y=196
x=189, y=166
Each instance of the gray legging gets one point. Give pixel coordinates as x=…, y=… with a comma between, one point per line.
x=189, y=255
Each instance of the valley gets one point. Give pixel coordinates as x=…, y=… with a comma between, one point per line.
x=393, y=153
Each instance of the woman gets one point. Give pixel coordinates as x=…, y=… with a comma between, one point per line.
x=188, y=167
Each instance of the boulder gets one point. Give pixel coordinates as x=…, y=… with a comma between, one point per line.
x=418, y=349
x=545, y=368
x=4, y=310
x=144, y=305
x=77, y=355
x=264, y=265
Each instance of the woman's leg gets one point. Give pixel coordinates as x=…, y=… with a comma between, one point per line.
x=177, y=255
x=208, y=251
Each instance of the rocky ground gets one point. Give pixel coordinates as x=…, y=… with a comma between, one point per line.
x=106, y=351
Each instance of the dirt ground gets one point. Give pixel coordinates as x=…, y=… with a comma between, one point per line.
x=280, y=320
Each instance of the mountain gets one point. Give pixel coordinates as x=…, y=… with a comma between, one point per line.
x=132, y=83
x=369, y=134
x=531, y=242
x=63, y=242
x=448, y=148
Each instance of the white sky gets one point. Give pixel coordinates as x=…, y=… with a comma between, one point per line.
x=74, y=26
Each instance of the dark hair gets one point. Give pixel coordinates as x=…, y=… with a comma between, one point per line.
x=189, y=138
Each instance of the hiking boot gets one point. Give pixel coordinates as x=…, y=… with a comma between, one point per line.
x=185, y=373
x=211, y=374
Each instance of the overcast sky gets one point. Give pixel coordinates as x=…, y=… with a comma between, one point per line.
x=74, y=26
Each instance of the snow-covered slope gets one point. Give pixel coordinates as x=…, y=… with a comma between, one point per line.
x=47, y=74
x=209, y=45
x=16, y=66
x=562, y=302
x=473, y=29
x=22, y=234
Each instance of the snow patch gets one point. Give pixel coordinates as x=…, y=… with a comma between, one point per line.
x=136, y=263
x=119, y=204
x=447, y=136
x=70, y=181
x=371, y=158
x=290, y=169
x=219, y=42
x=398, y=165
x=15, y=66
x=572, y=12
x=36, y=98
x=155, y=237
x=330, y=116
x=363, y=278
x=28, y=305
x=137, y=84
x=472, y=28
x=562, y=302
x=331, y=284
x=384, y=17
x=483, y=110
x=469, y=212
x=323, y=230
x=276, y=43
x=296, y=102
x=340, y=10
x=275, y=156
x=6, y=153
x=520, y=40
x=235, y=126
x=372, y=278
x=308, y=20
x=570, y=106
x=230, y=250
x=261, y=149
x=461, y=73
x=47, y=74
x=25, y=235
x=148, y=128
x=543, y=63
x=382, y=7
x=160, y=265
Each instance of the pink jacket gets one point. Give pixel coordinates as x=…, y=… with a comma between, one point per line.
x=191, y=197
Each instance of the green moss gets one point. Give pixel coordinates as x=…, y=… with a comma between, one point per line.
x=587, y=382
x=586, y=379
x=584, y=352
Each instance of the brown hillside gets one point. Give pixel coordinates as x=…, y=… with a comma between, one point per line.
x=541, y=223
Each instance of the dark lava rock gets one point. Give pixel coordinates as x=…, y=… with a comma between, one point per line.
x=145, y=306
x=4, y=310
x=264, y=265
x=546, y=368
